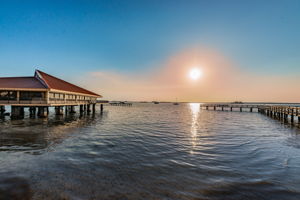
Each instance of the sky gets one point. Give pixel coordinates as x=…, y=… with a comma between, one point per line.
x=247, y=50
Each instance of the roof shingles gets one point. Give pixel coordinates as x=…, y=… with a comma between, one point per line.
x=42, y=80
x=21, y=82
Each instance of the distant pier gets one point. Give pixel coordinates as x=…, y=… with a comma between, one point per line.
x=285, y=113
x=120, y=104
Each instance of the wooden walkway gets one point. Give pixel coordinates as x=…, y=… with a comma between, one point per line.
x=284, y=113
x=232, y=107
x=287, y=114
x=120, y=104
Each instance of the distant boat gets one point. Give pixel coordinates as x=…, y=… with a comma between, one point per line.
x=176, y=103
x=155, y=102
x=237, y=102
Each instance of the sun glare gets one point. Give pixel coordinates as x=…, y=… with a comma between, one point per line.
x=195, y=73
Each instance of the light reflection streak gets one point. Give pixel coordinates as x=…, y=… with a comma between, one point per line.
x=195, y=109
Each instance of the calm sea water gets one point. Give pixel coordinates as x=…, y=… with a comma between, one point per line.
x=152, y=151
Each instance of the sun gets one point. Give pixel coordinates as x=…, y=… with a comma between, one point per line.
x=195, y=73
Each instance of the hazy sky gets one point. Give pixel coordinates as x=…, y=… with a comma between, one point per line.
x=142, y=50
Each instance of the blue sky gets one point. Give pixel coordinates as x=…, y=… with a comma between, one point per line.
x=71, y=37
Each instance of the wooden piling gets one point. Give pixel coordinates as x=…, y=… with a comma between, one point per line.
x=42, y=111
x=94, y=108
x=17, y=112
x=32, y=111
x=292, y=115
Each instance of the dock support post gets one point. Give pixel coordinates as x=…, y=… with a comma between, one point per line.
x=94, y=107
x=101, y=108
x=241, y=109
x=214, y=107
x=32, y=111
x=292, y=116
x=88, y=107
x=251, y=109
x=17, y=112
x=81, y=109
x=42, y=111
x=222, y=108
x=72, y=109
x=231, y=109
x=66, y=110
x=2, y=110
x=59, y=110
x=285, y=117
x=206, y=107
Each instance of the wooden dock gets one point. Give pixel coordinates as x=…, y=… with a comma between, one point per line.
x=120, y=104
x=232, y=107
x=285, y=113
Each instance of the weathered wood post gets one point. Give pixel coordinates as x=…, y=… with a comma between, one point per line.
x=206, y=107
x=94, y=107
x=241, y=109
x=88, y=107
x=214, y=107
x=2, y=110
x=32, y=111
x=251, y=109
x=222, y=108
x=292, y=115
x=17, y=112
x=59, y=110
x=231, y=109
x=297, y=114
x=66, y=110
x=279, y=113
x=42, y=111
x=101, y=108
x=285, y=115
x=72, y=109
x=81, y=109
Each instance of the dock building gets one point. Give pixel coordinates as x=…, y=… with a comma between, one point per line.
x=41, y=91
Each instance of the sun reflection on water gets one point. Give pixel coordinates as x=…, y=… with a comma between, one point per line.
x=195, y=110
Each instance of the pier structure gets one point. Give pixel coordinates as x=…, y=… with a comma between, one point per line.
x=120, y=104
x=232, y=107
x=42, y=91
x=285, y=113
x=288, y=114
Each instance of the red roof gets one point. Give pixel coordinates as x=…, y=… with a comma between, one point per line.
x=21, y=82
x=42, y=80
x=58, y=84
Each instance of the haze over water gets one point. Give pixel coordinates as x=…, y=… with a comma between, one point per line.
x=152, y=151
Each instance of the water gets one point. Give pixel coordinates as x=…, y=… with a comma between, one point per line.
x=153, y=152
